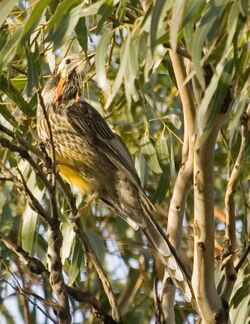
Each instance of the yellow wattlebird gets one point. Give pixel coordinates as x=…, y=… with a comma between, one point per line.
x=90, y=156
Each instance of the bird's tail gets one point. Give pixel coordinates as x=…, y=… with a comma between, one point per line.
x=174, y=267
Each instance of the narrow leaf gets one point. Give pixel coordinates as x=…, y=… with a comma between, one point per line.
x=105, y=11
x=157, y=11
x=34, y=19
x=68, y=238
x=10, y=47
x=14, y=95
x=123, y=65
x=101, y=51
x=149, y=153
x=75, y=265
x=176, y=21
x=6, y=7
x=82, y=34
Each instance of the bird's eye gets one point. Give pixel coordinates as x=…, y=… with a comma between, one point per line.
x=67, y=61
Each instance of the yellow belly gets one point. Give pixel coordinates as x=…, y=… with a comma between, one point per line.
x=73, y=177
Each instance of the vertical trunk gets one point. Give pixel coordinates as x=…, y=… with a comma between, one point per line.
x=210, y=305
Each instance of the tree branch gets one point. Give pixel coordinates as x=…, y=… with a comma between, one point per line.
x=37, y=267
x=230, y=235
x=183, y=180
x=210, y=305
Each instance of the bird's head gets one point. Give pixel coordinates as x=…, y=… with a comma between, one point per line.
x=70, y=75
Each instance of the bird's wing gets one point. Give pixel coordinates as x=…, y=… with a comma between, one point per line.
x=86, y=121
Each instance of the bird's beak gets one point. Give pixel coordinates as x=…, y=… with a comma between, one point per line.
x=60, y=87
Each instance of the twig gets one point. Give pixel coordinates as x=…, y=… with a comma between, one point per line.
x=230, y=235
x=36, y=266
x=21, y=185
x=23, y=292
x=242, y=258
x=101, y=273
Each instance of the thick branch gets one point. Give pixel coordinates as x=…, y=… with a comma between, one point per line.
x=209, y=302
x=230, y=235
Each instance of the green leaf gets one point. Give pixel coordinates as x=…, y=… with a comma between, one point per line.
x=162, y=187
x=9, y=50
x=101, y=51
x=62, y=10
x=172, y=159
x=162, y=152
x=124, y=54
x=34, y=18
x=75, y=264
x=97, y=245
x=63, y=22
x=105, y=11
x=68, y=239
x=29, y=225
x=34, y=68
x=199, y=37
x=149, y=153
x=236, y=113
x=29, y=228
x=176, y=22
x=7, y=114
x=82, y=34
x=140, y=166
x=6, y=7
x=132, y=71
x=157, y=12
x=14, y=95
x=207, y=112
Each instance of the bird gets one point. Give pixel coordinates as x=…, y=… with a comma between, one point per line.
x=90, y=156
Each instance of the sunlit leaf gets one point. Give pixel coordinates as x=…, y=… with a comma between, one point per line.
x=14, y=95
x=124, y=54
x=157, y=12
x=176, y=21
x=101, y=51
x=30, y=217
x=75, y=264
x=6, y=7
x=68, y=237
x=34, y=19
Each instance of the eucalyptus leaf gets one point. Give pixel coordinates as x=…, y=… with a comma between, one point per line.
x=14, y=95
x=34, y=18
x=176, y=20
x=75, y=264
x=6, y=7
x=101, y=51
x=149, y=153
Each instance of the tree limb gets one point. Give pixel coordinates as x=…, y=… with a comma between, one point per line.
x=183, y=180
x=230, y=235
